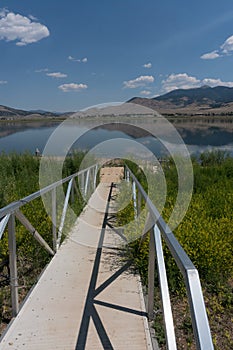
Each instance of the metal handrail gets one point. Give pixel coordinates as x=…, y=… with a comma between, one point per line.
x=12, y=211
x=198, y=313
x=10, y=208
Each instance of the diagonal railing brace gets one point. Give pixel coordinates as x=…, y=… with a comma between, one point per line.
x=26, y=223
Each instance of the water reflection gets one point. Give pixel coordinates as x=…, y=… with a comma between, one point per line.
x=27, y=136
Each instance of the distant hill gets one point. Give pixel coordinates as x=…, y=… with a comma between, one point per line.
x=41, y=111
x=204, y=100
x=181, y=102
x=205, y=94
x=8, y=113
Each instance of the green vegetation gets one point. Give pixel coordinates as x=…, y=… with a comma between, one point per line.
x=19, y=177
x=206, y=234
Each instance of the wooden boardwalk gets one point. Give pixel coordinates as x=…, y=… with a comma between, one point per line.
x=86, y=298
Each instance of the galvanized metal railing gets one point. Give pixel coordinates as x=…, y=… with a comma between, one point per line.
x=9, y=213
x=198, y=313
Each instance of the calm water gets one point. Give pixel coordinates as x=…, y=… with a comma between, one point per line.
x=20, y=137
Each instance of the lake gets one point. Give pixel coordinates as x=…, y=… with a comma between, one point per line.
x=27, y=136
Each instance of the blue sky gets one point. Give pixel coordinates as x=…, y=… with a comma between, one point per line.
x=68, y=55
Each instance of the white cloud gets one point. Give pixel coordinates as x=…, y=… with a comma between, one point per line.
x=180, y=81
x=211, y=55
x=23, y=30
x=145, y=92
x=56, y=75
x=2, y=82
x=80, y=60
x=227, y=46
x=147, y=65
x=184, y=81
x=225, y=49
x=139, y=81
x=72, y=87
x=216, y=82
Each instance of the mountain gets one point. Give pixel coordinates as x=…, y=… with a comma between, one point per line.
x=205, y=94
x=41, y=111
x=8, y=113
x=204, y=100
x=11, y=112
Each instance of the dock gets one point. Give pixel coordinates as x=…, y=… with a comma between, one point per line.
x=87, y=297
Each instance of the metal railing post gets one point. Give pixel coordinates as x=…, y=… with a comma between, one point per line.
x=86, y=182
x=13, y=265
x=54, y=218
x=134, y=200
x=63, y=216
x=151, y=275
x=127, y=175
